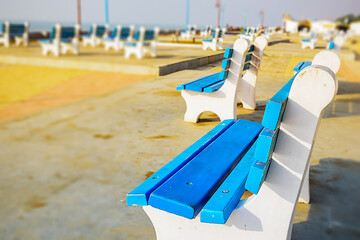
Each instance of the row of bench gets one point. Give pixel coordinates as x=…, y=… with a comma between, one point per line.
x=138, y=43
x=204, y=184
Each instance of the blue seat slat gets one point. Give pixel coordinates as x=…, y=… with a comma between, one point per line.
x=257, y=176
x=331, y=45
x=214, y=87
x=228, y=53
x=225, y=64
x=207, y=40
x=275, y=107
x=306, y=40
x=202, y=83
x=182, y=86
x=140, y=195
x=220, y=206
x=266, y=143
x=298, y=66
x=188, y=190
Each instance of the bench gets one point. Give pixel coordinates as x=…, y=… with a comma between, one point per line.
x=119, y=36
x=336, y=43
x=216, y=42
x=189, y=33
x=206, y=32
x=19, y=32
x=250, y=33
x=309, y=42
x=220, y=92
x=62, y=39
x=145, y=42
x=96, y=35
x=205, y=183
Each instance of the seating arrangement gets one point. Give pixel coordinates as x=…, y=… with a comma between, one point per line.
x=95, y=36
x=19, y=32
x=62, y=39
x=336, y=43
x=119, y=36
x=189, y=33
x=216, y=42
x=268, y=32
x=204, y=184
x=145, y=42
x=250, y=33
x=206, y=32
x=220, y=92
x=309, y=42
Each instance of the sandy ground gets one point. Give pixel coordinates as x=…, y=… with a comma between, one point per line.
x=67, y=167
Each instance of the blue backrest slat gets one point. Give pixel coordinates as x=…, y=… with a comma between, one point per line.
x=266, y=144
x=125, y=32
x=298, y=66
x=3, y=27
x=275, y=107
x=257, y=176
x=190, y=188
x=225, y=64
x=251, y=49
x=140, y=195
x=52, y=32
x=67, y=32
x=17, y=28
x=248, y=57
x=137, y=35
x=220, y=206
x=223, y=75
x=100, y=30
x=228, y=53
x=149, y=35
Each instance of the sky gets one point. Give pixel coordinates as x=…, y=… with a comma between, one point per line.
x=172, y=12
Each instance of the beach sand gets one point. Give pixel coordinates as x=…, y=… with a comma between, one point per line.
x=75, y=143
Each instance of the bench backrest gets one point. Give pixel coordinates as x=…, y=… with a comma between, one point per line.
x=15, y=28
x=143, y=35
x=59, y=32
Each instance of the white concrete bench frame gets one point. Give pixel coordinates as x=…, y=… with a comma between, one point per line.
x=189, y=33
x=117, y=43
x=92, y=38
x=336, y=43
x=206, y=32
x=141, y=45
x=216, y=42
x=58, y=44
x=223, y=102
x=21, y=37
x=309, y=42
x=270, y=213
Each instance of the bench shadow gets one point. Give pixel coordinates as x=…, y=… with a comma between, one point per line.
x=334, y=209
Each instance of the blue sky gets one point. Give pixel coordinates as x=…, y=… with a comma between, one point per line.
x=172, y=12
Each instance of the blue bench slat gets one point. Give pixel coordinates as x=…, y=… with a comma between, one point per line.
x=228, y=53
x=223, y=75
x=202, y=83
x=266, y=143
x=220, y=206
x=257, y=176
x=248, y=57
x=140, y=195
x=306, y=40
x=301, y=65
x=275, y=107
x=214, y=87
x=298, y=66
x=226, y=64
x=251, y=49
x=188, y=190
x=331, y=45
x=207, y=40
x=182, y=86
x=246, y=66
